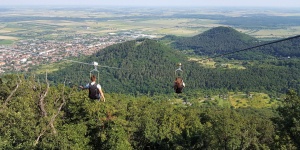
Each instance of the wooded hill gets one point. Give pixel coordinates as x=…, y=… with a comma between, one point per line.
x=147, y=67
x=221, y=40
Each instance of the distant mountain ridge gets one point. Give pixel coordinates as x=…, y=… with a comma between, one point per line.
x=215, y=41
x=221, y=40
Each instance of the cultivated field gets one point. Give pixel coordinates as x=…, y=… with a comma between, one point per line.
x=210, y=63
x=273, y=33
x=50, y=22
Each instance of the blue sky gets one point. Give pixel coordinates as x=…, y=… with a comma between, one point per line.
x=235, y=3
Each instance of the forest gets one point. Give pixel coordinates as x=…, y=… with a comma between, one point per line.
x=49, y=111
x=36, y=115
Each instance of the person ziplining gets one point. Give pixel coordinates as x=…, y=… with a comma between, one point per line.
x=178, y=83
x=95, y=90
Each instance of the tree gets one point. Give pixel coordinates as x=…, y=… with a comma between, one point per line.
x=288, y=122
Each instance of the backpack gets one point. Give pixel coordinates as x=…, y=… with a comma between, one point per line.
x=94, y=92
x=178, y=88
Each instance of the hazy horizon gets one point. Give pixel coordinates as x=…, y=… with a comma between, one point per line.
x=158, y=3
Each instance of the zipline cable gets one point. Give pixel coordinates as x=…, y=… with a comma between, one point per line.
x=245, y=49
x=92, y=64
x=220, y=55
x=78, y=62
x=39, y=54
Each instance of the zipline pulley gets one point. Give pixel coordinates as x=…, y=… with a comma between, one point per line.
x=179, y=71
x=95, y=64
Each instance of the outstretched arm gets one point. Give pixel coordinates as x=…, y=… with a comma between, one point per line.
x=84, y=87
x=102, y=95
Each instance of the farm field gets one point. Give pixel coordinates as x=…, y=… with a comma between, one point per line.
x=210, y=63
x=39, y=23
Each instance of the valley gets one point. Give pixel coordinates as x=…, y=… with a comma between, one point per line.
x=232, y=99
